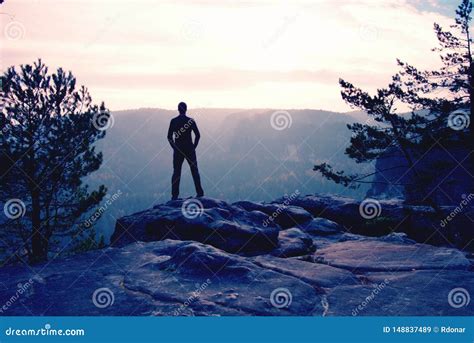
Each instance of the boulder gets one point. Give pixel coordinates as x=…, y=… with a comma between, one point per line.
x=286, y=216
x=420, y=223
x=293, y=242
x=397, y=237
x=203, y=220
x=322, y=227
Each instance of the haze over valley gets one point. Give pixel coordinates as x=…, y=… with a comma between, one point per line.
x=243, y=154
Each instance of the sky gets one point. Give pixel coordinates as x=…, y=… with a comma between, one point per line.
x=223, y=53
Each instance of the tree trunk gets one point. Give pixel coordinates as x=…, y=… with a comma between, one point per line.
x=471, y=114
x=471, y=98
x=425, y=196
x=38, y=241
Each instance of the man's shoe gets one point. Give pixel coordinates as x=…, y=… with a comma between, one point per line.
x=200, y=195
x=174, y=198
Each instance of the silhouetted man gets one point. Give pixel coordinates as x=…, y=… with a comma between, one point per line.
x=179, y=136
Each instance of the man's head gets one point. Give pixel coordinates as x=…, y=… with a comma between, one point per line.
x=182, y=108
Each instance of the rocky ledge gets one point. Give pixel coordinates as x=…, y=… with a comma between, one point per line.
x=205, y=257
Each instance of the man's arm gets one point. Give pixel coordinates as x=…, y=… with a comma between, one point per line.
x=170, y=135
x=197, y=135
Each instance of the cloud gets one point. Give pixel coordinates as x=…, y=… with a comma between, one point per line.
x=224, y=79
x=252, y=53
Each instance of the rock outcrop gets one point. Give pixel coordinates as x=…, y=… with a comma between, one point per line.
x=206, y=220
x=205, y=257
x=452, y=180
x=382, y=217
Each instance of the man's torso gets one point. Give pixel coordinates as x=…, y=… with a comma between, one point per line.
x=182, y=127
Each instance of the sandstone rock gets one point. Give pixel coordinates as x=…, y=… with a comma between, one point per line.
x=418, y=293
x=420, y=223
x=348, y=274
x=285, y=216
x=321, y=227
x=376, y=255
x=293, y=242
x=316, y=274
x=216, y=223
x=156, y=278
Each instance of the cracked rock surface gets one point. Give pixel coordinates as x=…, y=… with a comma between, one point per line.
x=230, y=261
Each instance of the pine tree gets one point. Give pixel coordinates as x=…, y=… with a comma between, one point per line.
x=454, y=81
x=49, y=130
x=431, y=120
x=391, y=133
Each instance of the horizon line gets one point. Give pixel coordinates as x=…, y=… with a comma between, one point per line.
x=234, y=109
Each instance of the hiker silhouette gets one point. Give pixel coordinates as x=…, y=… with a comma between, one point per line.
x=180, y=139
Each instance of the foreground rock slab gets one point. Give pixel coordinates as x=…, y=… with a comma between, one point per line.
x=227, y=260
x=157, y=278
x=316, y=274
x=419, y=293
x=378, y=255
x=183, y=278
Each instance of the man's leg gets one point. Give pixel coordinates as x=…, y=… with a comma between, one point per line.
x=178, y=159
x=192, y=161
